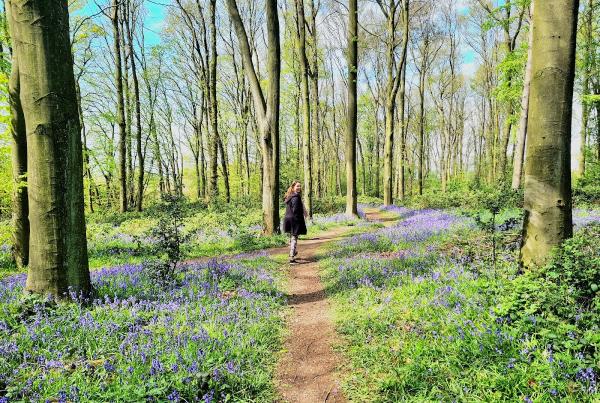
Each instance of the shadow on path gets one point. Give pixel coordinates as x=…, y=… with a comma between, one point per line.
x=299, y=299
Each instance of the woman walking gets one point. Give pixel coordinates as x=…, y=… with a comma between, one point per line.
x=293, y=222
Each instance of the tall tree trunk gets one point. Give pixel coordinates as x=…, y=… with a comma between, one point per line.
x=421, y=139
x=297, y=136
x=157, y=154
x=224, y=162
x=20, y=211
x=198, y=176
x=394, y=75
x=120, y=108
x=388, y=148
x=306, y=117
x=522, y=134
x=377, y=156
x=337, y=140
x=267, y=111
x=548, y=215
x=402, y=157
x=203, y=162
x=509, y=43
x=314, y=81
x=318, y=158
x=153, y=134
x=86, y=154
x=270, y=130
x=214, y=115
x=198, y=151
x=503, y=152
x=587, y=70
x=138, y=118
x=351, y=196
x=491, y=137
x=126, y=57
x=364, y=167
x=246, y=151
x=58, y=246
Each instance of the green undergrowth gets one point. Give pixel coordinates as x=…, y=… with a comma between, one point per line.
x=427, y=313
x=212, y=335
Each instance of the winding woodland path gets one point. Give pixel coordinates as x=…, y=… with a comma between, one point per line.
x=309, y=367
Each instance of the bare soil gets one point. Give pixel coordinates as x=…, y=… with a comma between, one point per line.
x=309, y=368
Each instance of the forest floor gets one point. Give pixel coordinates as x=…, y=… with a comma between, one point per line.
x=407, y=305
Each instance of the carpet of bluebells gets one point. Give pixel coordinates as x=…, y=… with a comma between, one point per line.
x=126, y=239
x=419, y=305
x=211, y=337
x=424, y=310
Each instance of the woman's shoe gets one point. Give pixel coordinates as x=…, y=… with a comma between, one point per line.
x=292, y=260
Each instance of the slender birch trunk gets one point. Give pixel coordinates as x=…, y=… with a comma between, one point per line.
x=20, y=211
x=351, y=196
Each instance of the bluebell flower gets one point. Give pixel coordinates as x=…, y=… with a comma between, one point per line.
x=173, y=396
x=108, y=366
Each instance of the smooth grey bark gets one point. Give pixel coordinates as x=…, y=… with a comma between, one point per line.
x=519, y=157
x=266, y=110
x=58, y=246
x=394, y=74
x=421, y=138
x=86, y=153
x=139, y=199
x=548, y=209
x=125, y=57
x=306, y=105
x=213, y=105
x=588, y=33
x=224, y=163
x=352, y=55
x=314, y=95
x=20, y=207
x=120, y=118
x=401, y=106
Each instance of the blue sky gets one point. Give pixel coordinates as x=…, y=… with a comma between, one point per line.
x=154, y=19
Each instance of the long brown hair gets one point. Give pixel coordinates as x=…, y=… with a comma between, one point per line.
x=291, y=189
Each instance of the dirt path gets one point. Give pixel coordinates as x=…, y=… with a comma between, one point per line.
x=306, y=373
x=308, y=370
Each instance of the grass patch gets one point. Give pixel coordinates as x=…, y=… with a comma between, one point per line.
x=420, y=309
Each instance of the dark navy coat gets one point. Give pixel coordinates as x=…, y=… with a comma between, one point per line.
x=294, y=223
